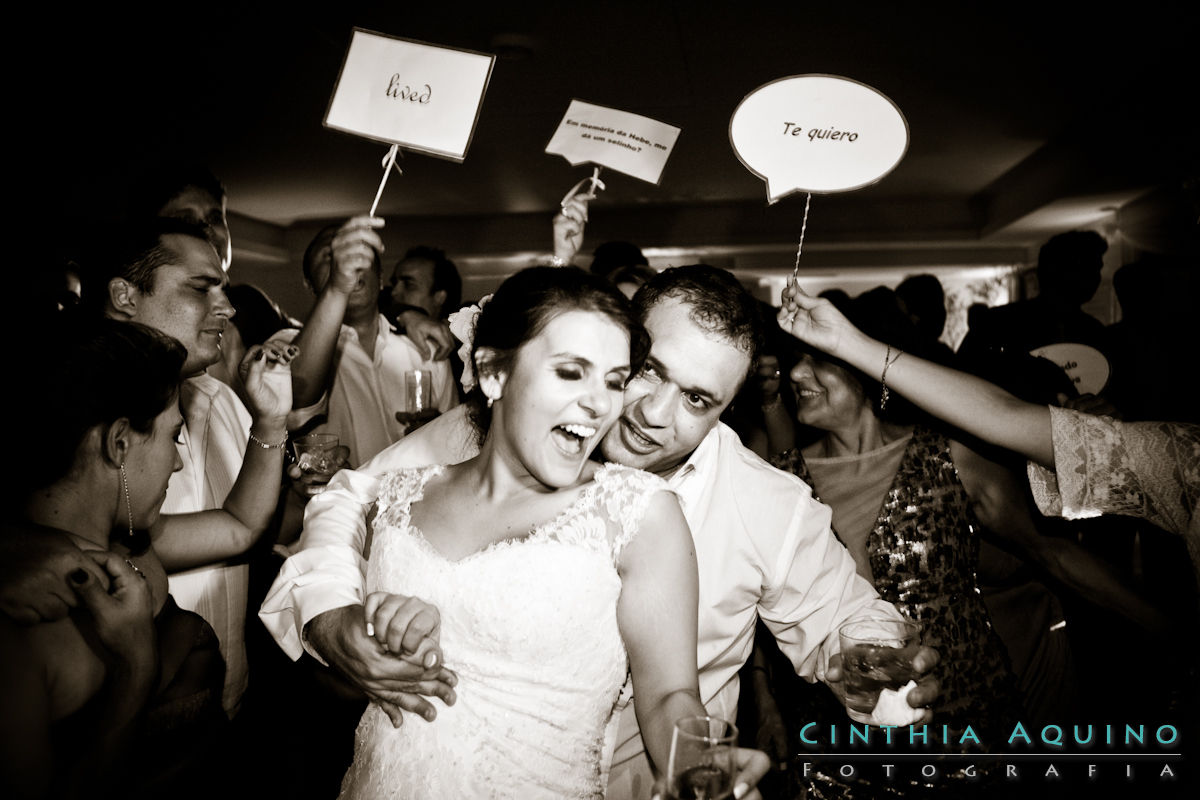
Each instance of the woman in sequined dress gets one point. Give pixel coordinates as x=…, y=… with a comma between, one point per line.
x=907, y=502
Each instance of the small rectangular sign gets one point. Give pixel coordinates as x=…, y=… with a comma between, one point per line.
x=422, y=97
x=629, y=143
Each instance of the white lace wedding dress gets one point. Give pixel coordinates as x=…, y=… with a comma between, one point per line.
x=530, y=626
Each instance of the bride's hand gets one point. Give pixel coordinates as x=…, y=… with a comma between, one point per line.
x=405, y=626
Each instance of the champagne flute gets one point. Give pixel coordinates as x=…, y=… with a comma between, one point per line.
x=703, y=760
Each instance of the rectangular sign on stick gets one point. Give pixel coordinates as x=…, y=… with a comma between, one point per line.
x=422, y=97
x=628, y=143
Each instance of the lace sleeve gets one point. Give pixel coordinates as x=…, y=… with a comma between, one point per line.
x=624, y=493
x=398, y=490
x=1149, y=470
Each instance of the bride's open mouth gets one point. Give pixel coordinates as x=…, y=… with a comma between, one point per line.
x=572, y=437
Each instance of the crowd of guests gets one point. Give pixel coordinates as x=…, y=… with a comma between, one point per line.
x=638, y=495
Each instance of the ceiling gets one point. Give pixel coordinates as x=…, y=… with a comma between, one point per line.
x=1025, y=119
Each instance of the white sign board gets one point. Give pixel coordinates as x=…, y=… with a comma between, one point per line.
x=419, y=96
x=629, y=143
x=818, y=134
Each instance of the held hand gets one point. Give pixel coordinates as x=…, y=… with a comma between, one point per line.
x=266, y=373
x=122, y=616
x=395, y=683
x=923, y=694
x=311, y=484
x=34, y=571
x=568, y=226
x=406, y=626
x=433, y=334
x=814, y=320
x=355, y=248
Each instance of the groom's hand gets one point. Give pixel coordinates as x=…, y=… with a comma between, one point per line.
x=395, y=683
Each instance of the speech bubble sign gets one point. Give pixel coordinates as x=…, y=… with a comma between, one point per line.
x=419, y=96
x=629, y=143
x=1086, y=366
x=818, y=134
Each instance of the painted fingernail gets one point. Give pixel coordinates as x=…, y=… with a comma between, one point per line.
x=258, y=356
x=430, y=660
x=79, y=576
x=370, y=630
x=740, y=790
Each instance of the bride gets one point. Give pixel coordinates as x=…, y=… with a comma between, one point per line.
x=542, y=575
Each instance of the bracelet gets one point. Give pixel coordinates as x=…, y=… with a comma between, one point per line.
x=887, y=362
x=269, y=445
x=558, y=261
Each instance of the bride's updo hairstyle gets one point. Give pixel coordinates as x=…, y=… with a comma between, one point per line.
x=523, y=306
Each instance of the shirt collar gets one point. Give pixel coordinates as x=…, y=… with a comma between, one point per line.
x=688, y=481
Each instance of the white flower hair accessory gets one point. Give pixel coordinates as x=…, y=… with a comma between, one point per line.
x=462, y=325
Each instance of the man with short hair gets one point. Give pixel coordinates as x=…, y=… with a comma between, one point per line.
x=352, y=361
x=427, y=280
x=764, y=547
x=1069, y=268
x=165, y=273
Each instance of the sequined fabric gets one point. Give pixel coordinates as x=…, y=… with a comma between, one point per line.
x=530, y=627
x=923, y=551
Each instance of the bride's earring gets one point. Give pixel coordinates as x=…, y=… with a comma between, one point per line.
x=128, y=505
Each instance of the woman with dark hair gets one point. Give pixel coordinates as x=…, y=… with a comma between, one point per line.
x=909, y=501
x=905, y=499
x=128, y=690
x=553, y=575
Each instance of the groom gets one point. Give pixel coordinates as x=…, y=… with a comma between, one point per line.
x=764, y=547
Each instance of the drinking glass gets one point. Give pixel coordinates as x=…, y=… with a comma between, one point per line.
x=703, y=760
x=418, y=391
x=877, y=654
x=318, y=457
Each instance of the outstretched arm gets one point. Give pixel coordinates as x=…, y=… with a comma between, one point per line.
x=966, y=402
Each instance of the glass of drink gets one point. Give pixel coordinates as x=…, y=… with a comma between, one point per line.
x=319, y=458
x=703, y=760
x=877, y=654
x=418, y=391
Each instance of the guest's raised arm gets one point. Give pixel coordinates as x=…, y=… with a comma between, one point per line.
x=206, y=537
x=969, y=403
x=335, y=261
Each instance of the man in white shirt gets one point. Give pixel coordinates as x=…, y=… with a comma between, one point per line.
x=166, y=274
x=763, y=545
x=352, y=362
